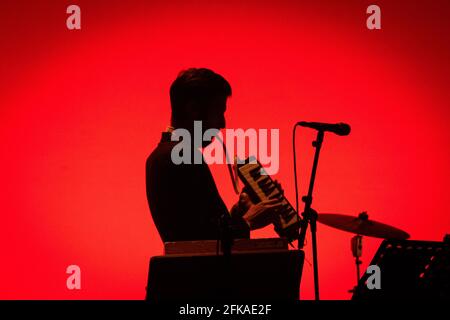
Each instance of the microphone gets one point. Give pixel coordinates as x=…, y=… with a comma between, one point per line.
x=341, y=129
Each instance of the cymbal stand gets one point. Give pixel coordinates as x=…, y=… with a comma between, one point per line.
x=356, y=245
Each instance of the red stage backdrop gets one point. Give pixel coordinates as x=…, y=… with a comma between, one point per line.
x=80, y=110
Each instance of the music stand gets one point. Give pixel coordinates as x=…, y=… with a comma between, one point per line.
x=409, y=270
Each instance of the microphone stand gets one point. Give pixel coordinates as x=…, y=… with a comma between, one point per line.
x=310, y=216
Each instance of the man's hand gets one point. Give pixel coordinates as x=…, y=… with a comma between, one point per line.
x=261, y=214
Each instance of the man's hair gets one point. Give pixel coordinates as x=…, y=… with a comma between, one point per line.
x=197, y=85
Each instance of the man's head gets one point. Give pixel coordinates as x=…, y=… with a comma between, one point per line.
x=199, y=94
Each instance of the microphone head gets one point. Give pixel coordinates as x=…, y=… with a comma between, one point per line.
x=342, y=129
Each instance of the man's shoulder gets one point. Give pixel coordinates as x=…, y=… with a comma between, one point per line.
x=162, y=151
x=160, y=156
x=185, y=177
x=161, y=159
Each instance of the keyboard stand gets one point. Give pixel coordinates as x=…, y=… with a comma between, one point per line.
x=262, y=275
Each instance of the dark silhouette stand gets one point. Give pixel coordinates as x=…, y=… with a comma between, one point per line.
x=410, y=270
x=310, y=216
x=226, y=235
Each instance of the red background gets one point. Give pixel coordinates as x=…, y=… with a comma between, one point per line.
x=81, y=110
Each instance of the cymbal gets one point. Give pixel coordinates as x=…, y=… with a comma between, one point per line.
x=361, y=225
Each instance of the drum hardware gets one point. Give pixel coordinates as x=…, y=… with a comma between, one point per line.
x=361, y=225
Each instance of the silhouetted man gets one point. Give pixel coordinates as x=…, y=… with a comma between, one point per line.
x=184, y=201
